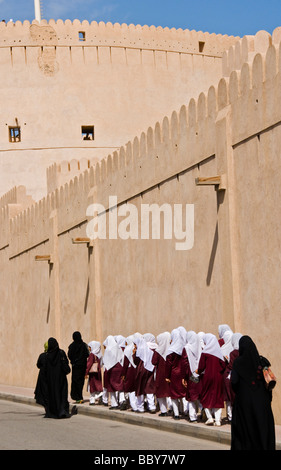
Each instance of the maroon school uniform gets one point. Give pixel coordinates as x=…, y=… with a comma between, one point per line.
x=229, y=394
x=174, y=373
x=144, y=379
x=113, y=379
x=162, y=387
x=129, y=372
x=193, y=389
x=211, y=394
x=95, y=379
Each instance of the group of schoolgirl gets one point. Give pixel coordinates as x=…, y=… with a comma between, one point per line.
x=182, y=372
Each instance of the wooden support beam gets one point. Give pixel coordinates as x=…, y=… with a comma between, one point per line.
x=44, y=258
x=202, y=181
x=83, y=240
x=218, y=180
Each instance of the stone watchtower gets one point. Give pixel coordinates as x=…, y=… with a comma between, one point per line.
x=79, y=90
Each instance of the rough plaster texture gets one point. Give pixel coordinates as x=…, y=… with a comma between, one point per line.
x=231, y=275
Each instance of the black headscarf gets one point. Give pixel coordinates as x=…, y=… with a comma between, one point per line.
x=78, y=350
x=248, y=365
x=77, y=338
x=52, y=344
x=53, y=353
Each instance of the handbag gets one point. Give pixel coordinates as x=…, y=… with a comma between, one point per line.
x=194, y=378
x=94, y=368
x=64, y=362
x=269, y=377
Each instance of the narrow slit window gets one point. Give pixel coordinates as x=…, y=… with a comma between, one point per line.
x=201, y=46
x=82, y=35
x=88, y=132
x=14, y=134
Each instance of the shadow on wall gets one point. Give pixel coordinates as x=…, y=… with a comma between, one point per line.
x=220, y=199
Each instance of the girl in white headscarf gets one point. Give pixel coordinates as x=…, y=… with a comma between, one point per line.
x=174, y=371
x=150, y=340
x=112, y=359
x=129, y=371
x=121, y=341
x=145, y=383
x=200, y=336
x=183, y=333
x=227, y=347
x=162, y=390
x=210, y=368
x=93, y=371
x=221, y=330
x=235, y=343
x=163, y=344
x=130, y=349
x=190, y=360
x=193, y=350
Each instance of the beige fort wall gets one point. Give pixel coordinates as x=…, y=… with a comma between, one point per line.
x=232, y=273
x=120, y=78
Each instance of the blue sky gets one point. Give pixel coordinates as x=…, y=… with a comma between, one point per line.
x=232, y=17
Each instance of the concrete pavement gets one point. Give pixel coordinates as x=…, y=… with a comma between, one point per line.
x=220, y=434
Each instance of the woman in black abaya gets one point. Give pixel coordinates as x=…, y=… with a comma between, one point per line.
x=78, y=353
x=252, y=426
x=40, y=392
x=56, y=370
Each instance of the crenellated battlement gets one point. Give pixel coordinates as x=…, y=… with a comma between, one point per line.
x=66, y=33
x=253, y=93
x=60, y=173
x=16, y=195
x=245, y=49
x=193, y=124
x=12, y=203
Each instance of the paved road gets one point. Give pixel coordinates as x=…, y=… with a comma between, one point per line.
x=23, y=427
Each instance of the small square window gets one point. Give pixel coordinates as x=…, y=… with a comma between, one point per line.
x=87, y=132
x=14, y=134
x=82, y=35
